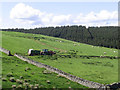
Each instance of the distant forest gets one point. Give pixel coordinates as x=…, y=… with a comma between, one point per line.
x=106, y=36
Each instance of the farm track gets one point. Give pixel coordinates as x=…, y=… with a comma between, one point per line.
x=86, y=56
x=50, y=46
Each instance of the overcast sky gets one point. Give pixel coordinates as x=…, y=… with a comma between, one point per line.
x=42, y=14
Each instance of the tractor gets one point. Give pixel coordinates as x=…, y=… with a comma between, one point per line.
x=32, y=52
x=46, y=52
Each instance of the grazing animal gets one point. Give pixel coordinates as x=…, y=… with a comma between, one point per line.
x=104, y=52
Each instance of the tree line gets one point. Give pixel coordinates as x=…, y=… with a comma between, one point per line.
x=106, y=36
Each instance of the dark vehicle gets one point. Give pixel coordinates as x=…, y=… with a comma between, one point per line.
x=46, y=52
x=32, y=52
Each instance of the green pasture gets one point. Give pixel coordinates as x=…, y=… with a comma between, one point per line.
x=99, y=70
x=20, y=43
x=102, y=70
x=24, y=75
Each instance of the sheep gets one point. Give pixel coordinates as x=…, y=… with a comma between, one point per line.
x=104, y=52
x=114, y=51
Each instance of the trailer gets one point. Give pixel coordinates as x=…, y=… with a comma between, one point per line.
x=32, y=52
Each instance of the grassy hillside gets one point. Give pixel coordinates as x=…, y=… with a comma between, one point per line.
x=21, y=42
x=104, y=71
x=0, y=70
x=95, y=69
x=20, y=73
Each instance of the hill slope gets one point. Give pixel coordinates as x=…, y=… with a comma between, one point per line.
x=106, y=36
x=21, y=42
x=95, y=69
x=26, y=74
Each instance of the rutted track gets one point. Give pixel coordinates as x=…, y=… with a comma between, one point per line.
x=50, y=46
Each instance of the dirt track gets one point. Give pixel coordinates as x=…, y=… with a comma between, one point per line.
x=61, y=50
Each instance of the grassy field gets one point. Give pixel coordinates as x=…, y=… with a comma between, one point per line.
x=95, y=69
x=21, y=42
x=20, y=73
x=104, y=71
x=0, y=70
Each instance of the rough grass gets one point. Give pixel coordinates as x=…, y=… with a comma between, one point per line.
x=95, y=69
x=0, y=70
x=17, y=72
x=21, y=42
x=100, y=70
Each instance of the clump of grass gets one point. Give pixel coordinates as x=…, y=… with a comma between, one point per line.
x=0, y=76
x=12, y=79
x=31, y=86
x=48, y=81
x=108, y=64
x=4, y=79
x=19, y=81
x=41, y=86
x=26, y=85
x=19, y=86
x=28, y=80
x=60, y=75
x=54, y=87
x=46, y=72
x=25, y=80
x=21, y=77
x=54, y=57
x=16, y=64
x=9, y=75
x=27, y=68
x=33, y=73
x=13, y=86
x=37, y=85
